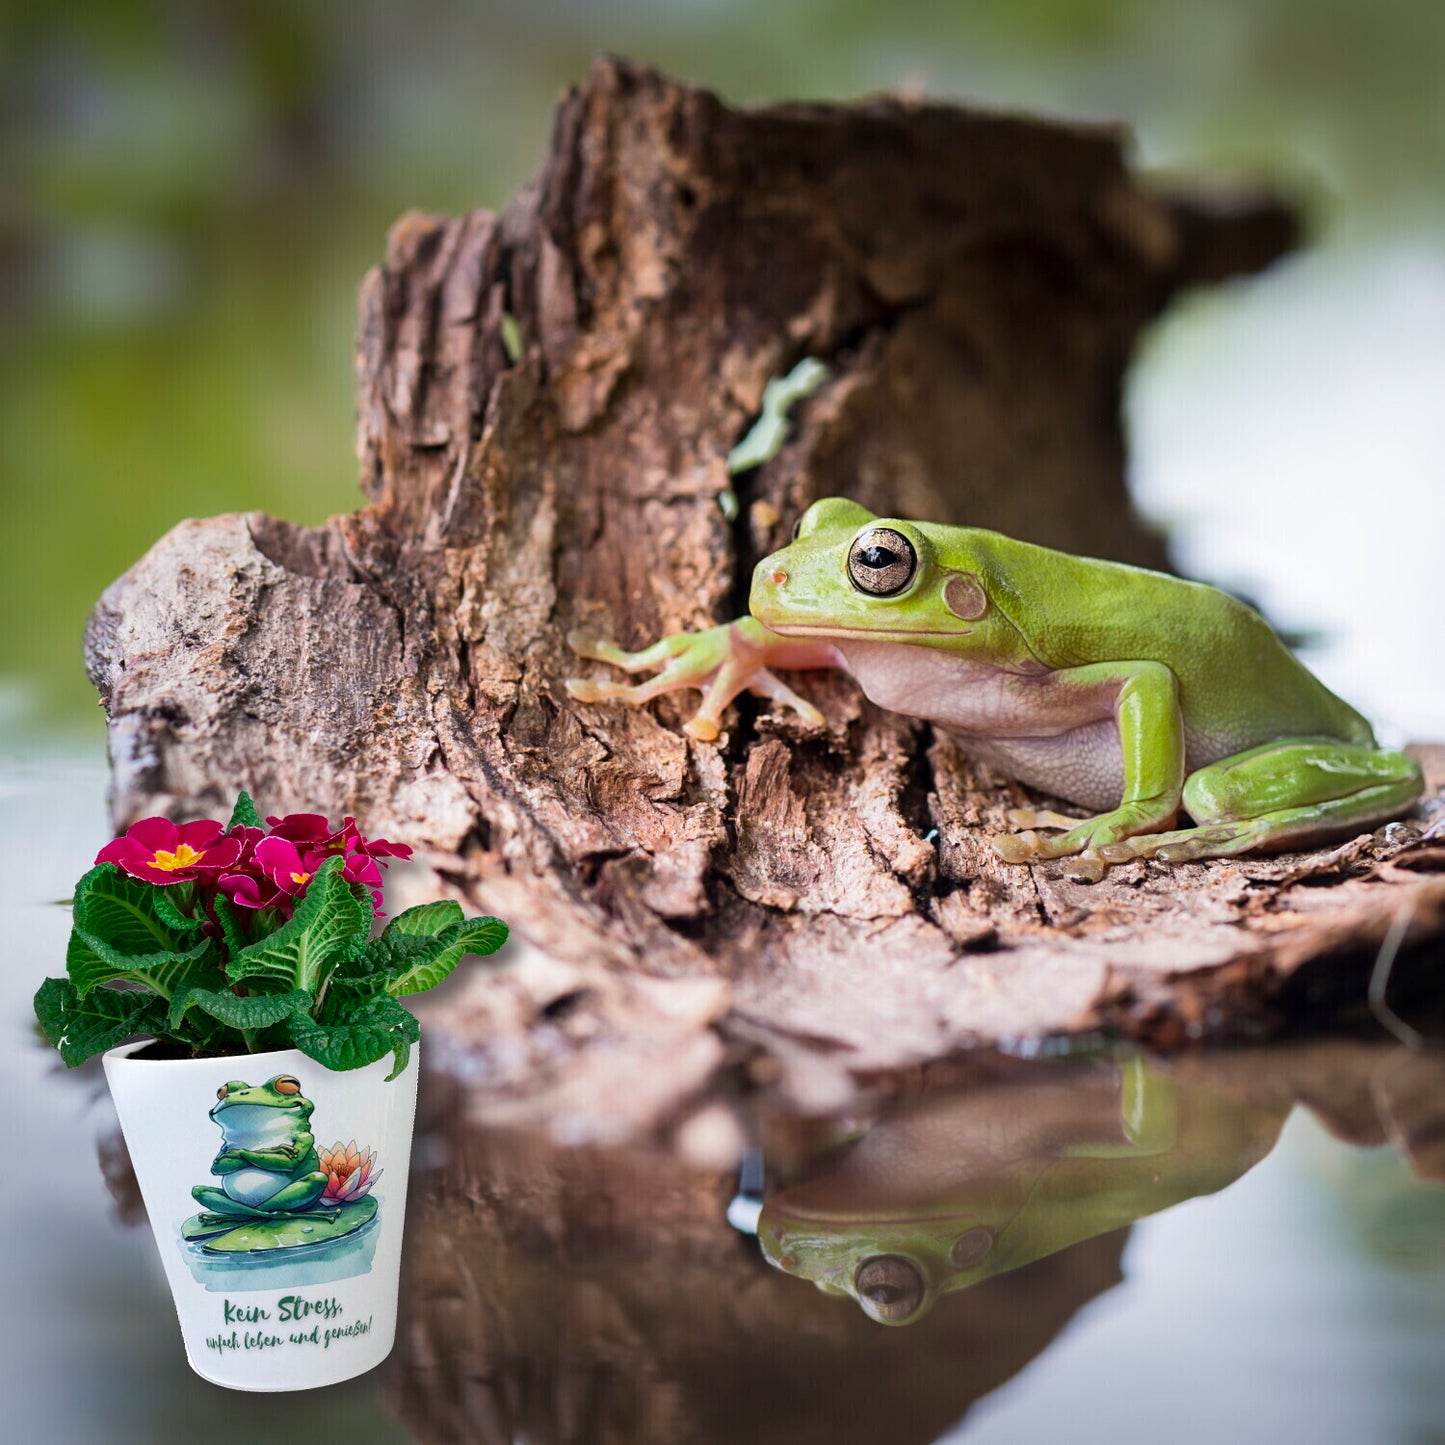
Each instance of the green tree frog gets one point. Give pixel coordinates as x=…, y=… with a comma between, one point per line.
x=268, y=1165
x=1133, y=694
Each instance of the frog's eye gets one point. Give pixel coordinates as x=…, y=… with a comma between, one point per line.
x=223, y=1091
x=881, y=562
x=287, y=1085
x=890, y=1288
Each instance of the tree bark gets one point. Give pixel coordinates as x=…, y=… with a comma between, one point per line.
x=547, y=401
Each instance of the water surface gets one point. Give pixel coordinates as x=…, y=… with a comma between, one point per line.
x=1239, y=1247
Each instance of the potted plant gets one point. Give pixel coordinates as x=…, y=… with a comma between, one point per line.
x=248, y=960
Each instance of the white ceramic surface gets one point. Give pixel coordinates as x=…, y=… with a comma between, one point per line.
x=278, y=1319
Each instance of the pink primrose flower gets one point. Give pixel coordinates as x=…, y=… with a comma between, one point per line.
x=285, y=865
x=272, y=869
x=160, y=851
x=275, y=872
x=311, y=830
x=247, y=890
x=365, y=857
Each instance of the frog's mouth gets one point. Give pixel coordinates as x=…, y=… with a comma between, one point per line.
x=229, y=1103
x=842, y=1219
x=862, y=634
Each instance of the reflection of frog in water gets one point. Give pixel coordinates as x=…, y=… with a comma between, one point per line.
x=975, y=1185
x=268, y=1164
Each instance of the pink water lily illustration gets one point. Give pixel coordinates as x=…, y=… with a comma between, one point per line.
x=349, y=1172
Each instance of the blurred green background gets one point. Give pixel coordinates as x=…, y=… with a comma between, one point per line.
x=191, y=191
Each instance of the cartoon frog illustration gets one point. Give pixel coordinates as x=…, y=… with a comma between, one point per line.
x=268, y=1164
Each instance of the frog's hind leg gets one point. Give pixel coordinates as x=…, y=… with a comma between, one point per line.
x=217, y=1201
x=300, y=1193
x=1281, y=795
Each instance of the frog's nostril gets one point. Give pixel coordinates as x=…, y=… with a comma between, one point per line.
x=777, y=577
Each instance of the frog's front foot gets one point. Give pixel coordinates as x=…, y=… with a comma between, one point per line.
x=721, y=661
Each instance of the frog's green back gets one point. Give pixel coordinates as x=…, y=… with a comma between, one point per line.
x=1239, y=684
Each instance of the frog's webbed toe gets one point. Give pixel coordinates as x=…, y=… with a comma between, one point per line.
x=1088, y=867
x=599, y=649
x=1039, y=818
x=768, y=685
x=1016, y=847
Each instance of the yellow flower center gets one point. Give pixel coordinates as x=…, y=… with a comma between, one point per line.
x=184, y=857
x=300, y=877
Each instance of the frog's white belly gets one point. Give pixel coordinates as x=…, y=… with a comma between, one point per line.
x=253, y=1186
x=1057, y=737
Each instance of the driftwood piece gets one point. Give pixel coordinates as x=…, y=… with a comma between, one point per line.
x=547, y=400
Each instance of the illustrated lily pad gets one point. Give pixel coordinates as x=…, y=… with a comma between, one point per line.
x=255, y=1235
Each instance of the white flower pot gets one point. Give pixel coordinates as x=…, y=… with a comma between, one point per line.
x=276, y=1288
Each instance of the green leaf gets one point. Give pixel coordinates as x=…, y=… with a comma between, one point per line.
x=765, y=440
x=429, y=919
x=373, y=1028
x=232, y=930
x=91, y=961
x=168, y=911
x=244, y=814
x=478, y=935
x=328, y=928
x=371, y=971
x=83, y=1026
x=124, y=912
x=403, y=962
x=255, y=1011
x=473, y=935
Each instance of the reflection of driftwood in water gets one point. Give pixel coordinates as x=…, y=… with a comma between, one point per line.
x=573, y=1296
x=560, y=1295
x=963, y=1186
x=976, y=285
x=582, y=1296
